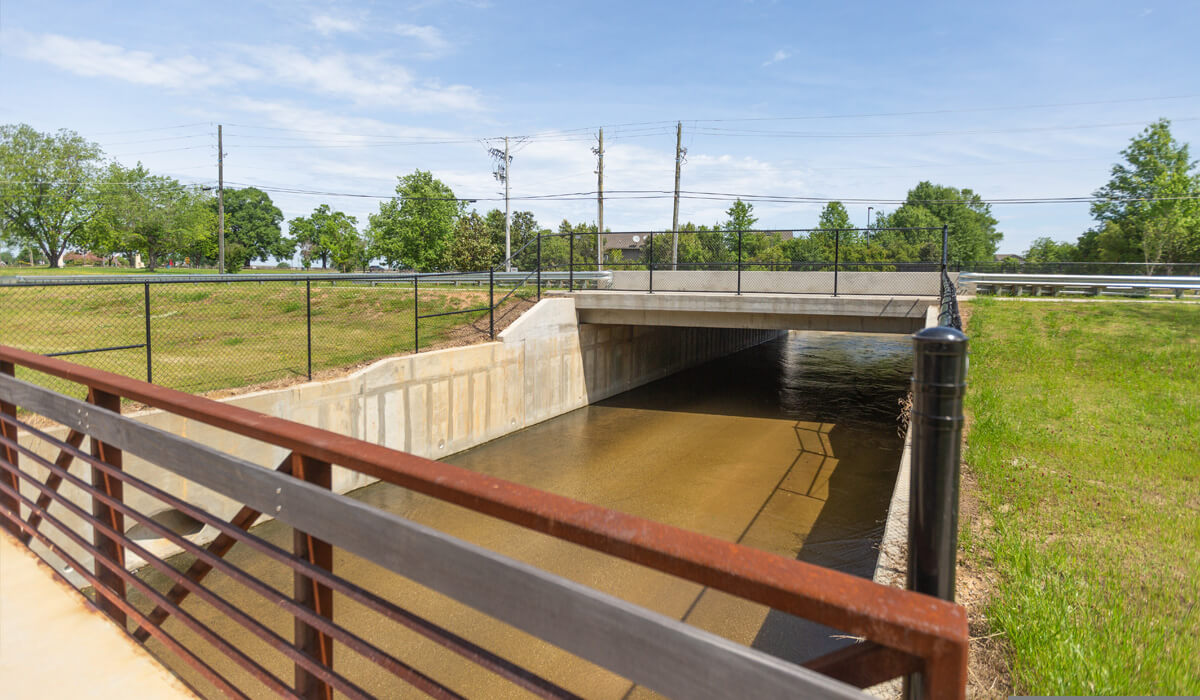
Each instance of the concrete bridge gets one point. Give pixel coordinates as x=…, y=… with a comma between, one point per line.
x=763, y=311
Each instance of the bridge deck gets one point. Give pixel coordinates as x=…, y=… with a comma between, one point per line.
x=870, y=314
x=53, y=645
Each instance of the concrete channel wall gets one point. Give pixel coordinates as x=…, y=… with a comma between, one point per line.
x=437, y=403
x=814, y=282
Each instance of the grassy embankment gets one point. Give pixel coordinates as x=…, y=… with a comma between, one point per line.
x=215, y=336
x=1086, y=446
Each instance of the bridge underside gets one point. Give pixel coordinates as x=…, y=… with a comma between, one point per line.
x=864, y=314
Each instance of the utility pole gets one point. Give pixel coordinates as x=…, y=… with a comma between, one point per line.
x=507, y=234
x=600, y=202
x=220, y=203
x=675, y=216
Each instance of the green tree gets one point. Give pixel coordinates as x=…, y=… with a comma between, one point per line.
x=1146, y=208
x=973, y=234
x=415, y=228
x=473, y=247
x=149, y=214
x=252, y=220
x=328, y=234
x=50, y=191
x=1046, y=250
x=523, y=228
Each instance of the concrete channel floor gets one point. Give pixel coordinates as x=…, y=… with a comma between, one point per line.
x=55, y=645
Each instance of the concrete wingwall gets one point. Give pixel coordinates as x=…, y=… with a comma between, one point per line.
x=440, y=402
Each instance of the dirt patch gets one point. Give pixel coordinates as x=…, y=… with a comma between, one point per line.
x=988, y=671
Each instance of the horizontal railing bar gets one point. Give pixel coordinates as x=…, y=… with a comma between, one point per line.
x=202, y=630
x=900, y=619
x=1131, y=280
x=269, y=594
x=85, y=352
x=646, y=647
x=130, y=611
x=425, y=628
x=452, y=313
x=375, y=277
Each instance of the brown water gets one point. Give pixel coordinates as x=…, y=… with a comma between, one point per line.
x=790, y=447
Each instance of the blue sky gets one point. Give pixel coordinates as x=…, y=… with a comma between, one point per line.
x=343, y=97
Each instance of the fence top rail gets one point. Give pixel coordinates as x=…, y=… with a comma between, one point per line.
x=910, y=622
x=1133, y=280
x=378, y=277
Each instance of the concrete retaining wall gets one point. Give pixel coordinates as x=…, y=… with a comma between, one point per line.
x=917, y=283
x=440, y=402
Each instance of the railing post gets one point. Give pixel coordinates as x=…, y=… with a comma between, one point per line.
x=837, y=241
x=570, y=262
x=939, y=382
x=492, y=303
x=739, y=263
x=416, y=320
x=113, y=488
x=945, y=245
x=539, y=266
x=308, y=317
x=9, y=503
x=651, y=267
x=149, y=366
x=308, y=592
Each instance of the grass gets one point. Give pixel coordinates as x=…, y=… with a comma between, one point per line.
x=1086, y=445
x=216, y=336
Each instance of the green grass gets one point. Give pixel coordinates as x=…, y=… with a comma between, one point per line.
x=1086, y=445
x=216, y=336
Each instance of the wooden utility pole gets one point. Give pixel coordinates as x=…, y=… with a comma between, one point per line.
x=675, y=215
x=507, y=235
x=220, y=203
x=600, y=202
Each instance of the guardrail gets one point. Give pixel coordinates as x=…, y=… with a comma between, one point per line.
x=1052, y=285
x=903, y=631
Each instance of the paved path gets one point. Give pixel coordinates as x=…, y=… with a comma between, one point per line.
x=53, y=645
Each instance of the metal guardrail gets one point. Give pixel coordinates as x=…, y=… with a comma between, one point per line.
x=904, y=631
x=1094, y=284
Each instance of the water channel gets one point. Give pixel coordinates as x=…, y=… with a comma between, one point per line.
x=790, y=447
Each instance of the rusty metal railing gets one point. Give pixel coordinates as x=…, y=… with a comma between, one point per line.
x=903, y=631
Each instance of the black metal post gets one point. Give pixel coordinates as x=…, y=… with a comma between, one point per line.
x=939, y=383
x=149, y=364
x=570, y=262
x=945, y=245
x=308, y=315
x=651, y=288
x=492, y=303
x=837, y=241
x=416, y=320
x=739, y=264
x=539, y=266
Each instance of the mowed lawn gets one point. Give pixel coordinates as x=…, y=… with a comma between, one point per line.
x=1085, y=442
x=216, y=335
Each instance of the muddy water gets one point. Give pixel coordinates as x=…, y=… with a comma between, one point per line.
x=789, y=447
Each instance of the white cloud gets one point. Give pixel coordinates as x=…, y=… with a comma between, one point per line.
x=428, y=35
x=328, y=24
x=779, y=55
x=92, y=58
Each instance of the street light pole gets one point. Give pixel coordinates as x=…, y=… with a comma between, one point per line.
x=868, y=231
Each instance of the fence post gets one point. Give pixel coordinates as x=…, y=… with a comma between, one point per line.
x=308, y=317
x=570, y=262
x=739, y=263
x=416, y=320
x=651, y=288
x=308, y=592
x=149, y=371
x=108, y=548
x=939, y=382
x=945, y=245
x=837, y=244
x=10, y=503
x=492, y=303
x=539, y=266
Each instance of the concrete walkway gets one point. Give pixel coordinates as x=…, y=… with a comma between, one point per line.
x=54, y=645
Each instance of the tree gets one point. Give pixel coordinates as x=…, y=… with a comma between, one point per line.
x=1046, y=250
x=49, y=191
x=1146, y=208
x=973, y=234
x=472, y=248
x=523, y=228
x=252, y=220
x=329, y=234
x=741, y=217
x=149, y=214
x=416, y=227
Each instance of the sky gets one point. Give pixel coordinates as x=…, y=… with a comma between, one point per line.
x=854, y=101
